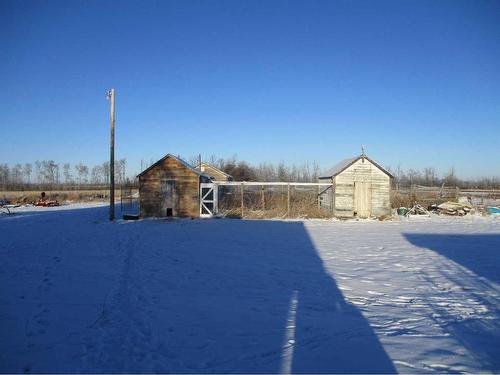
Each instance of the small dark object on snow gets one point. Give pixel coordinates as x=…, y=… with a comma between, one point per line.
x=402, y=211
x=433, y=208
x=4, y=202
x=130, y=217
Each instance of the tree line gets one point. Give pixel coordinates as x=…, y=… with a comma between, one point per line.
x=241, y=170
x=48, y=173
x=430, y=177
x=309, y=172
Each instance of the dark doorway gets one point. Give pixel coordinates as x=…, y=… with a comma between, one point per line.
x=169, y=196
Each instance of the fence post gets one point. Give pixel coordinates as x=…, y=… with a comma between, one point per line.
x=288, y=201
x=242, y=199
x=262, y=198
x=319, y=191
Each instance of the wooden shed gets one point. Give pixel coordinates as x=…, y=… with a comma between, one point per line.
x=170, y=187
x=361, y=188
x=213, y=172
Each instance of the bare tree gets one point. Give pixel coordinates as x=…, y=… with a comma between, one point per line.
x=430, y=176
x=316, y=171
x=105, y=171
x=450, y=179
x=50, y=171
x=120, y=170
x=282, y=173
x=38, y=171
x=67, y=173
x=17, y=174
x=27, y=169
x=4, y=174
x=96, y=175
x=195, y=160
x=83, y=172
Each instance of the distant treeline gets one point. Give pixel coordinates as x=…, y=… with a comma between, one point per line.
x=429, y=177
x=49, y=174
x=267, y=172
x=309, y=172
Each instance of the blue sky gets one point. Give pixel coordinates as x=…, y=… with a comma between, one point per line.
x=417, y=82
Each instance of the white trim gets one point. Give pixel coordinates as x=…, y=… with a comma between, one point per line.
x=252, y=183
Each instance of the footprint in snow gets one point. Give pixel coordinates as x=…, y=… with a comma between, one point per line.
x=43, y=322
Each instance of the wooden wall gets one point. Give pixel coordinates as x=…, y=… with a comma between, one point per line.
x=187, y=185
x=362, y=171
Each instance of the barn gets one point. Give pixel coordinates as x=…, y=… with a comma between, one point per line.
x=170, y=187
x=361, y=188
x=213, y=172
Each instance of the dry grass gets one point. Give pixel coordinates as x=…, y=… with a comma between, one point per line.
x=270, y=204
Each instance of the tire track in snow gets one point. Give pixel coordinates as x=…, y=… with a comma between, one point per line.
x=122, y=338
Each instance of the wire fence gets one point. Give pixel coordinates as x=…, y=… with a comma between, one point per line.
x=426, y=195
x=272, y=201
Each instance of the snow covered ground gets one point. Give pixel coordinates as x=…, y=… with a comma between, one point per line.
x=80, y=294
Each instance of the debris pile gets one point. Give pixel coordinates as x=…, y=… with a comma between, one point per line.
x=43, y=202
x=460, y=208
x=46, y=203
x=417, y=210
x=454, y=208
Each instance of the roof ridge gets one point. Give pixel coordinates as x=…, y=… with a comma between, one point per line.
x=214, y=167
x=182, y=161
x=346, y=163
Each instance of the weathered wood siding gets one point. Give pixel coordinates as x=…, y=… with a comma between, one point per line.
x=381, y=192
x=326, y=199
x=378, y=182
x=187, y=186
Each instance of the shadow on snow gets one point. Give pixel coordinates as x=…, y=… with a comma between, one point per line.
x=478, y=254
x=199, y=296
x=256, y=298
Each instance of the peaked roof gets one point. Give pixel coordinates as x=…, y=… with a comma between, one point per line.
x=185, y=163
x=346, y=163
x=214, y=168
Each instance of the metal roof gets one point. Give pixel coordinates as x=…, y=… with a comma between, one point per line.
x=346, y=163
x=339, y=167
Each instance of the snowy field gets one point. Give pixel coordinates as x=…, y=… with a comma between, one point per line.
x=80, y=294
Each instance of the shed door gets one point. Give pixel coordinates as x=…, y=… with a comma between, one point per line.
x=362, y=198
x=168, y=191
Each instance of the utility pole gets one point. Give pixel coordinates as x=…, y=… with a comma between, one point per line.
x=111, y=96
